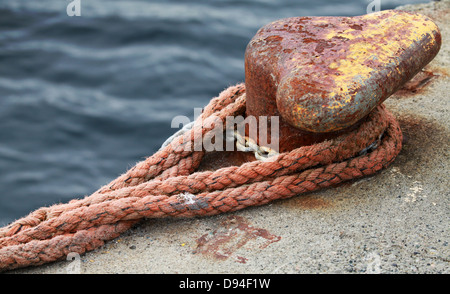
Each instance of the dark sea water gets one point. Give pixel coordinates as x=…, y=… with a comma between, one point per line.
x=83, y=98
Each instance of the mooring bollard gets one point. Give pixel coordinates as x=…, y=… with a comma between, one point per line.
x=324, y=75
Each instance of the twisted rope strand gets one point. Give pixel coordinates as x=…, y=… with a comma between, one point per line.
x=229, y=102
x=166, y=185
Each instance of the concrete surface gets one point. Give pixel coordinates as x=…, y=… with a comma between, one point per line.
x=394, y=222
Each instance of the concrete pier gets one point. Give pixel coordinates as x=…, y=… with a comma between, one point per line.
x=394, y=222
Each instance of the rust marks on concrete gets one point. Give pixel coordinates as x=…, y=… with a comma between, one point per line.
x=417, y=84
x=424, y=142
x=241, y=259
x=234, y=233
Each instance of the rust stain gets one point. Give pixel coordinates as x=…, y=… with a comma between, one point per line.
x=233, y=233
x=241, y=259
x=423, y=141
x=438, y=70
x=417, y=84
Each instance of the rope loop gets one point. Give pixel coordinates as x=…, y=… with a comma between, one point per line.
x=167, y=184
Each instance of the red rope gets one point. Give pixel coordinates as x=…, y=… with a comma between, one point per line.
x=166, y=184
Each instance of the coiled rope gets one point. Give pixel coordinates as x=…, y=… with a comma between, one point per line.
x=166, y=185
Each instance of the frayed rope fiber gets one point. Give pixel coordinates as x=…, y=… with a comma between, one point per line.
x=166, y=184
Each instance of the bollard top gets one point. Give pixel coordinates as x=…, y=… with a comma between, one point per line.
x=324, y=74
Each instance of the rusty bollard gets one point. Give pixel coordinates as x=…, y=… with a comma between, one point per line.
x=323, y=75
